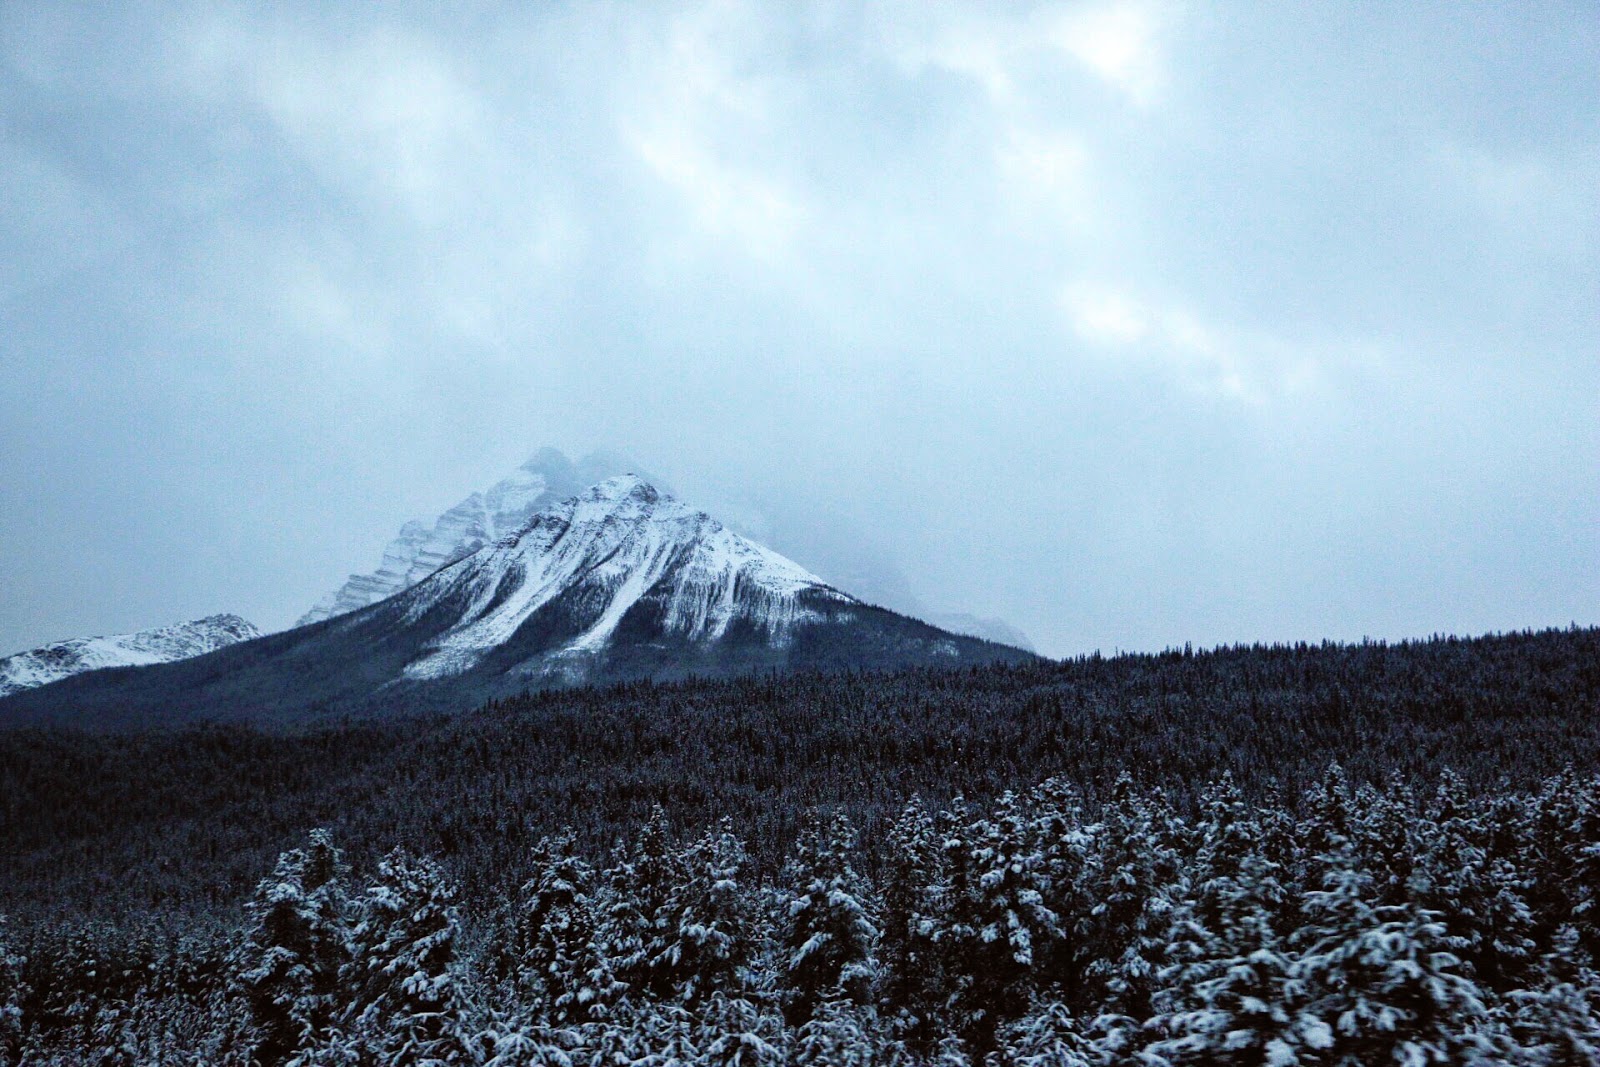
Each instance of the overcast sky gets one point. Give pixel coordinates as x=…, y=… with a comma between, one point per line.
x=1132, y=323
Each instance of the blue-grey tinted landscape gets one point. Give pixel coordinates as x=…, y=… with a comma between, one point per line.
x=1053, y=534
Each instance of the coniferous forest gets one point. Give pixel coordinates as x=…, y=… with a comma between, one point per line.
x=1328, y=855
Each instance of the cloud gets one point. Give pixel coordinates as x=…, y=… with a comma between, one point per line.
x=1551, y=199
x=1252, y=368
x=914, y=267
x=381, y=111
x=695, y=122
x=1119, y=43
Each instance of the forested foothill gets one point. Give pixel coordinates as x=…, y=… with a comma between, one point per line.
x=1329, y=854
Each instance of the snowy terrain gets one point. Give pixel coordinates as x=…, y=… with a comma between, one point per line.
x=844, y=556
x=62, y=659
x=616, y=545
x=481, y=519
x=616, y=583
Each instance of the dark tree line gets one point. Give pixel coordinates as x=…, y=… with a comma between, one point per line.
x=116, y=826
x=1361, y=925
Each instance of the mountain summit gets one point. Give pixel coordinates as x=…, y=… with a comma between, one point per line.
x=546, y=479
x=63, y=659
x=844, y=556
x=622, y=561
x=621, y=581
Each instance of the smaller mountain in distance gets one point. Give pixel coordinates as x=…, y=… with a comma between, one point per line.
x=166, y=644
x=997, y=630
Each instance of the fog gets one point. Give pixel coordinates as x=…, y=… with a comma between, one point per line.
x=1130, y=323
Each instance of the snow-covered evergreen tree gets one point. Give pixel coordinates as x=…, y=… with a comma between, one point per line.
x=409, y=1000
x=12, y=995
x=1582, y=874
x=561, y=960
x=704, y=927
x=1048, y=1036
x=734, y=1031
x=1065, y=846
x=1379, y=977
x=828, y=937
x=296, y=951
x=1476, y=888
x=1557, y=1025
x=998, y=928
x=1133, y=882
x=640, y=884
x=1237, y=997
x=838, y=1033
x=912, y=985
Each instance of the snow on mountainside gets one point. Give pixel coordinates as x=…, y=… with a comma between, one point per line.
x=481, y=519
x=615, y=548
x=63, y=659
x=844, y=555
x=617, y=583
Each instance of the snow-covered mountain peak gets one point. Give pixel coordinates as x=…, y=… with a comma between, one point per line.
x=621, y=552
x=483, y=518
x=615, y=580
x=62, y=659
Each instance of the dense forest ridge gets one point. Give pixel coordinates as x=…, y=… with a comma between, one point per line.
x=1357, y=926
x=90, y=824
x=63, y=659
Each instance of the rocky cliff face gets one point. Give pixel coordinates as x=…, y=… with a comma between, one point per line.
x=481, y=519
x=621, y=559
x=62, y=659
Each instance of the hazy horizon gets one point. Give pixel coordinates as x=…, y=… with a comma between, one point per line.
x=1130, y=323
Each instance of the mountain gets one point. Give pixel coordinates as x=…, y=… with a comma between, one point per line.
x=620, y=582
x=481, y=519
x=844, y=554
x=990, y=629
x=63, y=659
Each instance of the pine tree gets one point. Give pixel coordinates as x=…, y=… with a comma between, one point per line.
x=296, y=950
x=1065, y=845
x=1477, y=890
x=1230, y=994
x=837, y=1034
x=1582, y=875
x=1133, y=881
x=912, y=983
x=410, y=999
x=736, y=1032
x=998, y=927
x=1236, y=998
x=640, y=884
x=1558, y=1025
x=1378, y=976
x=560, y=958
x=703, y=928
x=829, y=938
x=1048, y=1036
x=1386, y=837
x=13, y=993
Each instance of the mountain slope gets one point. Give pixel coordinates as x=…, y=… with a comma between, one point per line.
x=620, y=582
x=481, y=519
x=842, y=553
x=63, y=659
